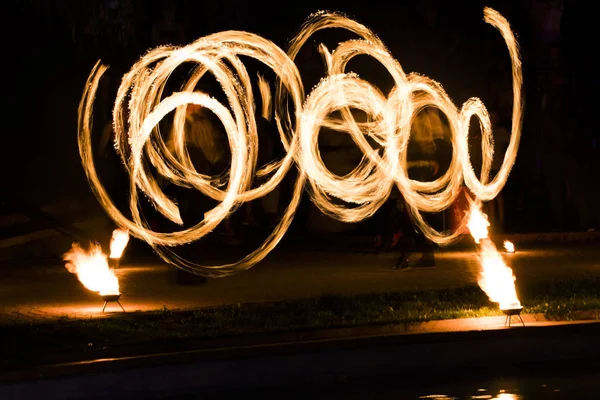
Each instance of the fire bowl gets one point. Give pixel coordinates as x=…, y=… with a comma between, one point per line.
x=510, y=313
x=109, y=298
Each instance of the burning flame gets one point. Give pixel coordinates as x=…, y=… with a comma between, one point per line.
x=91, y=268
x=496, y=279
x=509, y=246
x=478, y=224
x=118, y=242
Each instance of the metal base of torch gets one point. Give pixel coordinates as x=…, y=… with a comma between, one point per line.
x=112, y=298
x=511, y=313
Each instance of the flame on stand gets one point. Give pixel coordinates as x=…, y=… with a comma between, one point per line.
x=496, y=278
x=91, y=268
x=509, y=246
x=118, y=242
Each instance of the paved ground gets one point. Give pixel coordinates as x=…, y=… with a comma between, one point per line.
x=50, y=291
x=404, y=366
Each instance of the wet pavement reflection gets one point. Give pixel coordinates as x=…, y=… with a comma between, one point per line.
x=554, y=381
x=580, y=385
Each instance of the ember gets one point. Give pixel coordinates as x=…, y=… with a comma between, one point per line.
x=509, y=246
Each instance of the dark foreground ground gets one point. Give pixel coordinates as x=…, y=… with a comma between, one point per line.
x=563, y=381
x=317, y=288
x=557, y=361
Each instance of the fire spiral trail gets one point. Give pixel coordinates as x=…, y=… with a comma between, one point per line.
x=138, y=109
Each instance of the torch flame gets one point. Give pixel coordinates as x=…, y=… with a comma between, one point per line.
x=496, y=278
x=509, y=246
x=118, y=242
x=91, y=268
x=478, y=224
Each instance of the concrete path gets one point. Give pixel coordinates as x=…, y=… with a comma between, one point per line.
x=40, y=292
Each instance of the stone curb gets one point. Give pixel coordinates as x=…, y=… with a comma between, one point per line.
x=271, y=340
x=312, y=362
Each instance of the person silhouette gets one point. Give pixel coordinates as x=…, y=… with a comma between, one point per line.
x=167, y=30
x=426, y=154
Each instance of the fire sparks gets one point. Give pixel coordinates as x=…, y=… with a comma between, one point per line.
x=141, y=104
x=509, y=246
x=496, y=279
x=118, y=242
x=91, y=268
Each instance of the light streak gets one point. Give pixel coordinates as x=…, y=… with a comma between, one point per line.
x=138, y=109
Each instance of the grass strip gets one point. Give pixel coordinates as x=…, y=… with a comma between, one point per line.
x=26, y=342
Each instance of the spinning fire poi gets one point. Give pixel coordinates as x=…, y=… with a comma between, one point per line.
x=141, y=104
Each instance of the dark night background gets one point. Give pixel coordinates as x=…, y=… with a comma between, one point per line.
x=554, y=185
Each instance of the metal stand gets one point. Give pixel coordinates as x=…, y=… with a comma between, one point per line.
x=117, y=301
x=510, y=313
x=112, y=298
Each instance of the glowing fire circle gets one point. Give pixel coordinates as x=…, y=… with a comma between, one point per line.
x=139, y=108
